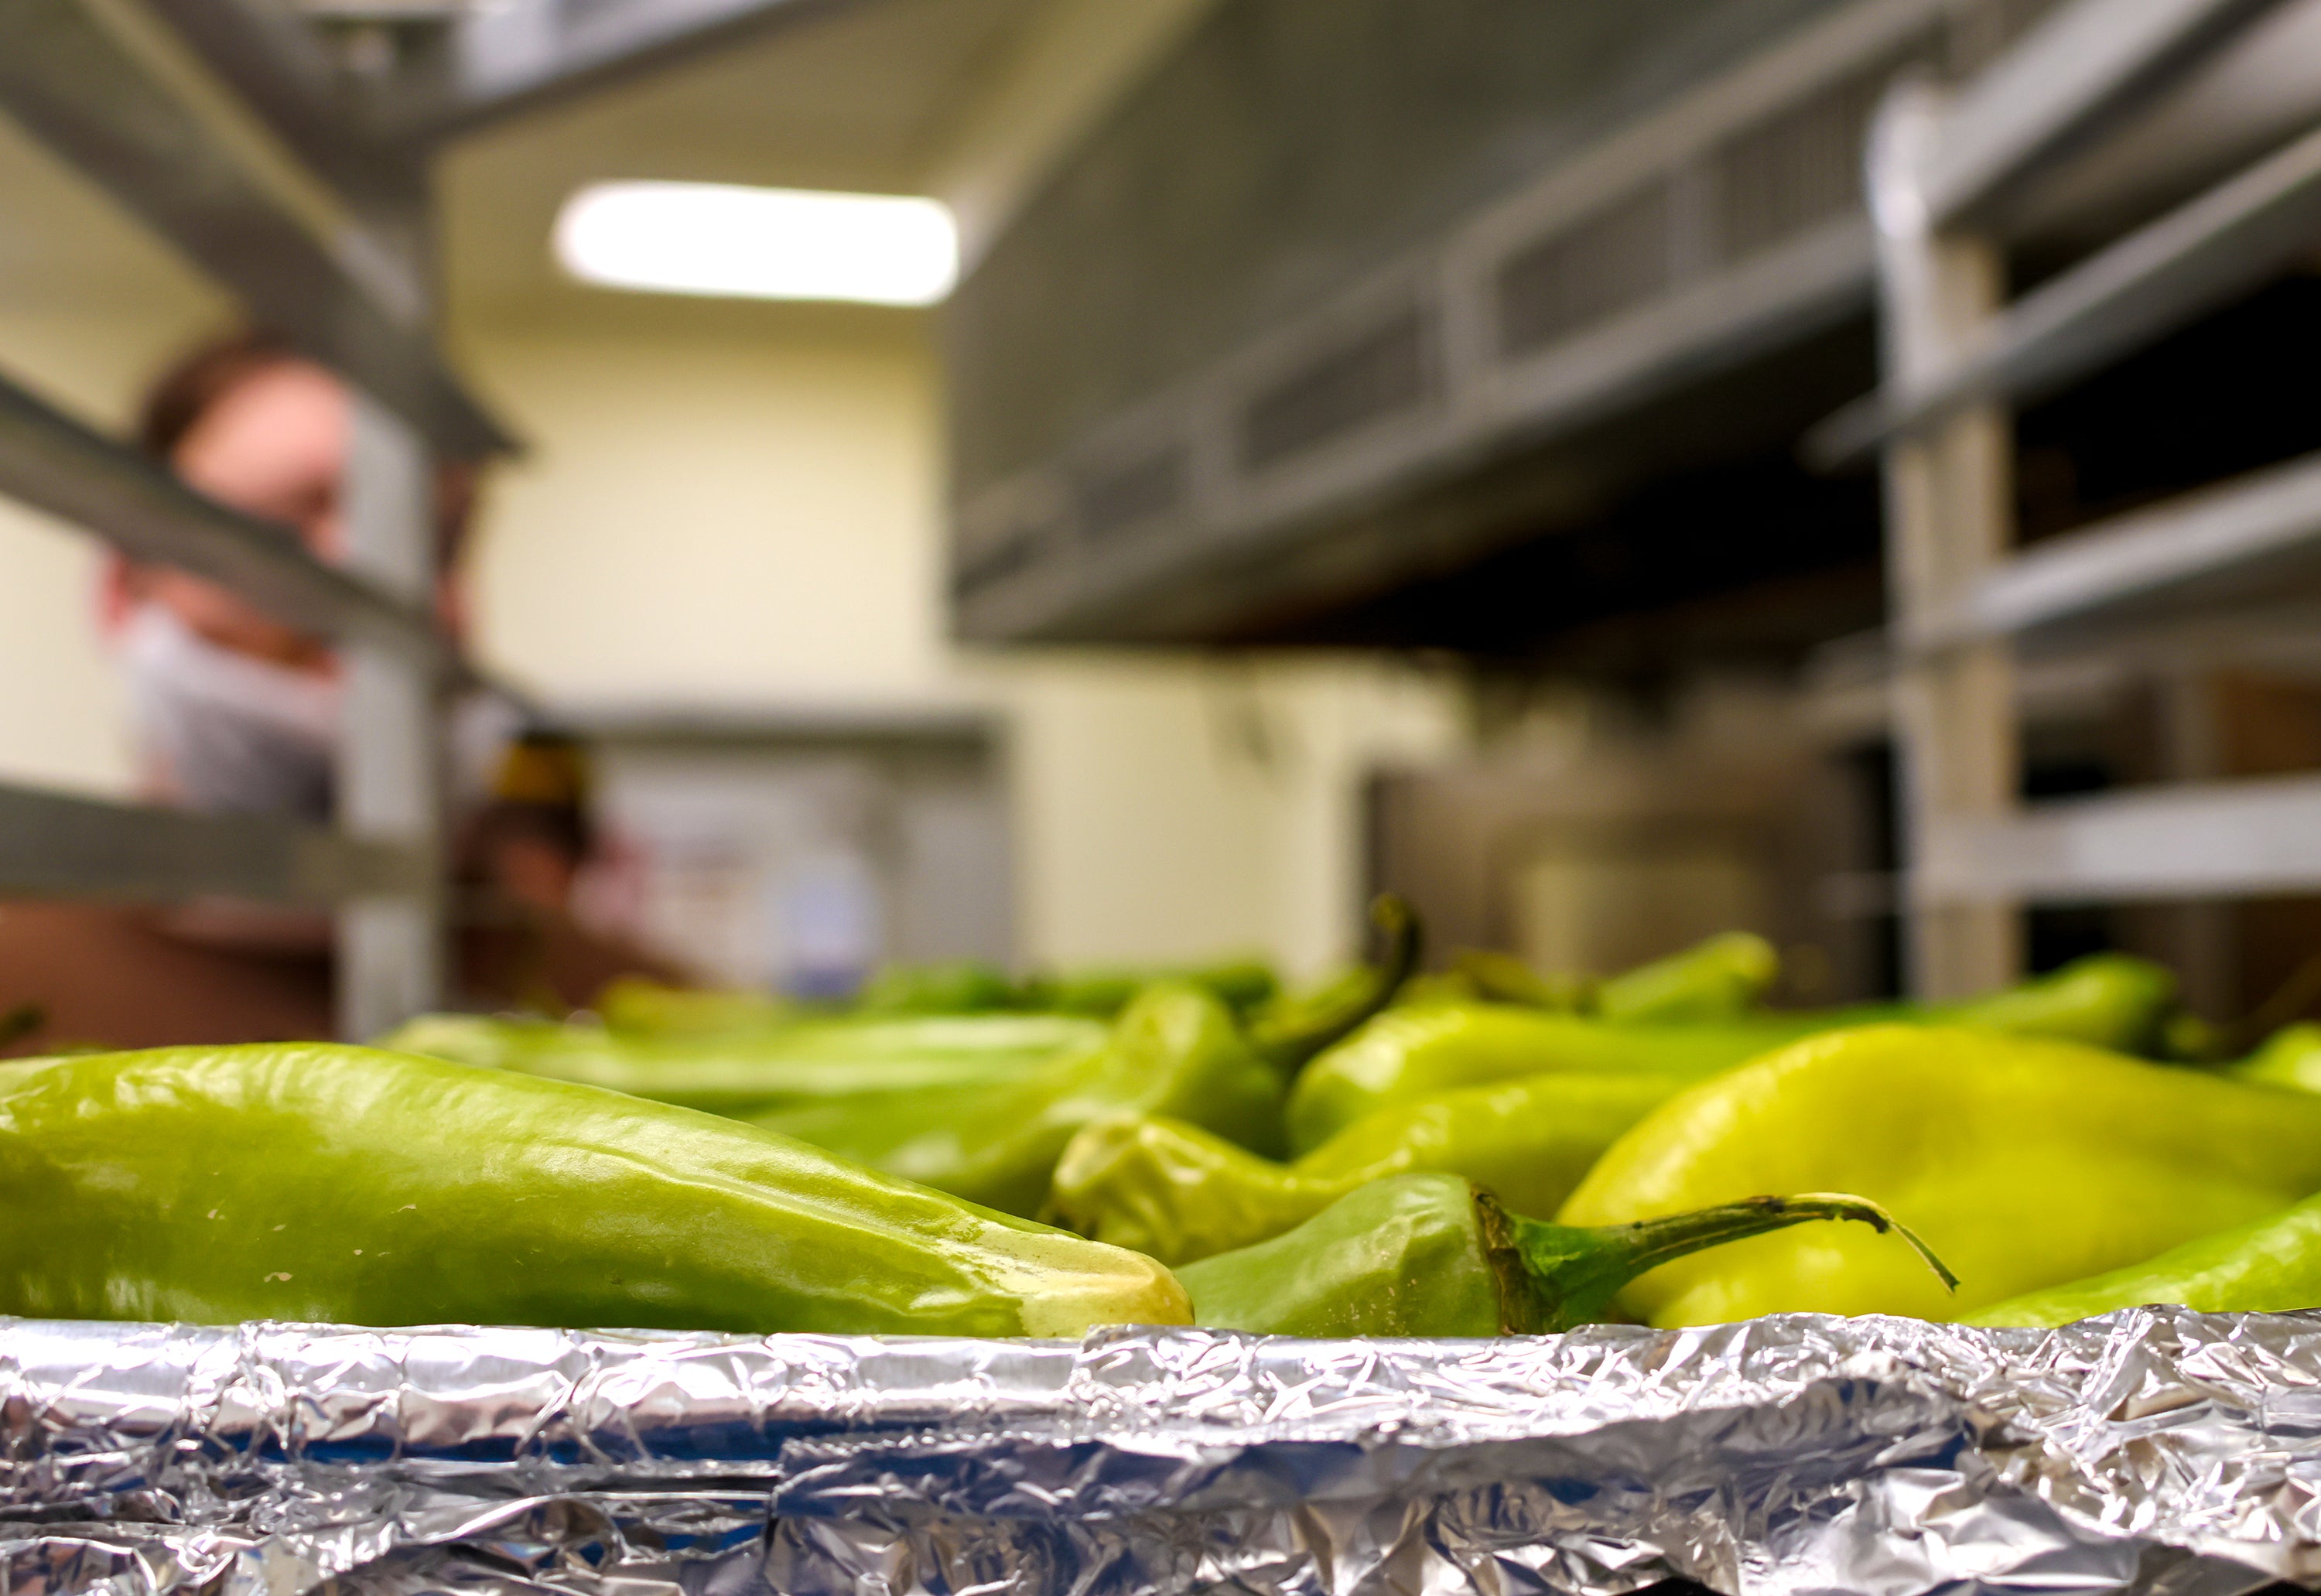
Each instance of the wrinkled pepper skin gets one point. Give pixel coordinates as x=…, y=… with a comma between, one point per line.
x=2026, y=1162
x=743, y=1076
x=1174, y=1051
x=1179, y=1193
x=1430, y=1255
x=349, y=1185
x=2271, y=1265
x=1408, y=1257
x=2108, y=1001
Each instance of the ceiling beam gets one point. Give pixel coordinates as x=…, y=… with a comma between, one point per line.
x=503, y=60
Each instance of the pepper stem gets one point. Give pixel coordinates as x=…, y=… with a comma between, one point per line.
x=1556, y=1277
x=1297, y=1033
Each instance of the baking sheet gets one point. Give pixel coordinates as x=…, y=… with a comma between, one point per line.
x=2157, y=1450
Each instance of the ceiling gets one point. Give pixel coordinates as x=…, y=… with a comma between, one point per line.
x=864, y=97
x=60, y=239
x=972, y=97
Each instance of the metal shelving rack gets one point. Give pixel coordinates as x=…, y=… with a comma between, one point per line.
x=298, y=179
x=339, y=267
x=1956, y=355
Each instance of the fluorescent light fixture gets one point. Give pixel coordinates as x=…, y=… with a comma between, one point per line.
x=758, y=243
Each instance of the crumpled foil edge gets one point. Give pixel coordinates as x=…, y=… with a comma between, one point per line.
x=2158, y=1450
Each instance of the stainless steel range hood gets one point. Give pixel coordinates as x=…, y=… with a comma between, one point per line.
x=1193, y=403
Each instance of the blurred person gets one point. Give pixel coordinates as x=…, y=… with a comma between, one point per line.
x=235, y=713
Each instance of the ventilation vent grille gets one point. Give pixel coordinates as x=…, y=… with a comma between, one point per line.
x=1127, y=497
x=1384, y=371
x=1620, y=256
x=1022, y=547
x=1797, y=169
x=1981, y=30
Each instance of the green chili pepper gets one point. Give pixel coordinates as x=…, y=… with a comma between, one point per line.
x=1179, y=1193
x=346, y=1184
x=1711, y=980
x=2112, y=1000
x=2270, y=1265
x=1482, y=975
x=964, y=986
x=635, y=1005
x=1174, y=1051
x=1723, y=976
x=1406, y=1053
x=1288, y=1034
x=1430, y=1255
x=2108, y=999
x=2026, y=1161
x=749, y=1075
x=1242, y=985
x=2290, y=1057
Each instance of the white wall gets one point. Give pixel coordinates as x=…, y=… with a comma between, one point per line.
x=1176, y=807
x=89, y=307
x=62, y=709
x=727, y=509
x=1071, y=66
x=741, y=506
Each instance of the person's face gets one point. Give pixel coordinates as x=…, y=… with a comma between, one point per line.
x=273, y=446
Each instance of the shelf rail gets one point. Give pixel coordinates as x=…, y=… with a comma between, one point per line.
x=56, y=464
x=2060, y=87
x=55, y=844
x=2196, y=258
x=2195, y=840
x=1955, y=356
x=2228, y=538
x=333, y=255
x=107, y=87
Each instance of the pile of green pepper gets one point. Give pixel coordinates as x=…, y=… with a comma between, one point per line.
x=1491, y=1152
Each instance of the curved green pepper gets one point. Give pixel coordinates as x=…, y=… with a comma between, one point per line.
x=1711, y=980
x=1406, y=1053
x=802, y=1063
x=1179, y=1193
x=637, y=1006
x=1241, y=985
x=1430, y=1255
x=2107, y=1000
x=351, y=1185
x=1174, y=1051
x=1722, y=976
x=1290, y=1033
x=2290, y=1057
x=2025, y=1161
x=2270, y=1265
x=964, y=986
x=2113, y=1000
x=1485, y=975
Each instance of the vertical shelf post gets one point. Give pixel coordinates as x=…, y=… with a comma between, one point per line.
x=390, y=949
x=1949, y=519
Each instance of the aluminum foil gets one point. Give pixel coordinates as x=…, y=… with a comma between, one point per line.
x=2156, y=1450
